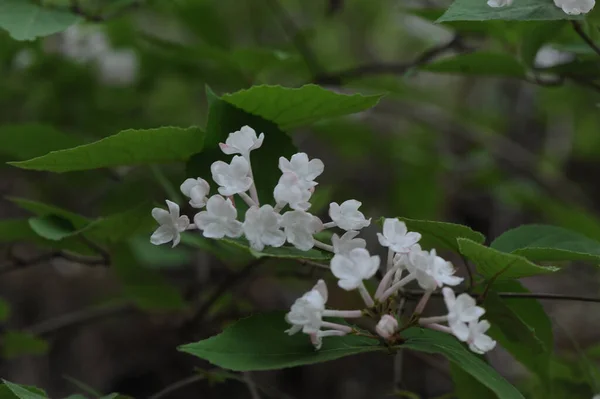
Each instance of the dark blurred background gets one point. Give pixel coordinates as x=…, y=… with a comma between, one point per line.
x=489, y=152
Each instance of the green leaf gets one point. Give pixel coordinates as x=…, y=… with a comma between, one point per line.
x=441, y=234
x=524, y=10
x=466, y=386
x=479, y=63
x=548, y=243
x=227, y=252
x=4, y=310
x=52, y=227
x=492, y=263
x=535, y=35
x=123, y=225
x=42, y=209
x=17, y=343
x=281, y=252
x=20, y=142
x=10, y=390
x=26, y=21
x=146, y=287
x=429, y=341
x=129, y=147
x=260, y=343
x=289, y=107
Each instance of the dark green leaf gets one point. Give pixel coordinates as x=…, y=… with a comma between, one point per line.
x=129, y=147
x=122, y=226
x=548, y=243
x=17, y=343
x=260, y=343
x=4, y=310
x=52, y=227
x=41, y=209
x=282, y=252
x=20, y=142
x=25, y=20
x=535, y=35
x=466, y=386
x=480, y=63
x=492, y=263
x=524, y=10
x=10, y=390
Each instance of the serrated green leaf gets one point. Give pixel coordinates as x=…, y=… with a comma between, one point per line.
x=479, y=63
x=429, y=341
x=10, y=390
x=291, y=107
x=17, y=343
x=25, y=141
x=25, y=20
x=441, y=234
x=260, y=343
x=492, y=263
x=548, y=243
x=129, y=147
x=524, y=10
x=52, y=227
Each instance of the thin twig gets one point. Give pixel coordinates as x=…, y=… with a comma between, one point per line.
x=416, y=294
x=581, y=32
x=177, y=385
x=469, y=273
x=251, y=386
x=17, y=263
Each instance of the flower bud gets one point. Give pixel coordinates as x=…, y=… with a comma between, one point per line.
x=387, y=326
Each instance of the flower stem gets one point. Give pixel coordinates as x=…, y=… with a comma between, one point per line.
x=423, y=302
x=323, y=246
x=329, y=225
x=390, y=259
x=365, y=295
x=336, y=326
x=253, y=192
x=385, y=281
x=349, y=314
x=397, y=286
x=248, y=200
x=439, y=327
x=431, y=320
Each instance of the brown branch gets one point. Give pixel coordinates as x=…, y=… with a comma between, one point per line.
x=416, y=294
x=16, y=263
x=588, y=40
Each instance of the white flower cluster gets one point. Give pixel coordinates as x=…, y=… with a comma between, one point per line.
x=351, y=264
x=570, y=7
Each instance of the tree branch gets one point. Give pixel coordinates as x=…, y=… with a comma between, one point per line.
x=581, y=32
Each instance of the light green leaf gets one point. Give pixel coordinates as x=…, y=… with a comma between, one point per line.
x=548, y=243
x=129, y=147
x=524, y=10
x=10, y=390
x=441, y=234
x=290, y=107
x=52, y=227
x=479, y=63
x=429, y=341
x=492, y=263
x=25, y=20
x=260, y=343
x=17, y=343
x=20, y=142
x=466, y=386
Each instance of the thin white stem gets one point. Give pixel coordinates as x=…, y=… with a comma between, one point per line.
x=336, y=326
x=348, y=314
x=329, y=225
x=423, y=302
x=332, y=333
x=431, y=320
x=390, y=259
x=396, y=287
x=192, y=226
x=439, y=327
x=365, y=295
x=385, y=281
x=279, y=207
x=248, y=200
x=253, y=192
x=323, y=246
x=251, y=386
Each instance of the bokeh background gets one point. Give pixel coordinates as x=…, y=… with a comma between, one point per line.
x=475, y=147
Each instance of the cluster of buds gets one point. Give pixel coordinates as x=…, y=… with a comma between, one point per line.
x=351, y=263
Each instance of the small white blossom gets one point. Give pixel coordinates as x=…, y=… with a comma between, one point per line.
x=262, y=227
x=299, y=227
x=219, y=219
x=233, y=178
x=353, y=268
x=171, y=224
x=397, y=237
x=461, y=310
x=477, y=340
x=242, y=142
x=84, y=43
x=575, y=7
x=347, y=216
x=292, y=191
x=196, y=190
x=548, y=56
x=118, y=67
x=303, y=168
x=430, y=270
x=346, y=243
x=499, y=3
x=387, y=326
x=317, y=337
x=307, y=312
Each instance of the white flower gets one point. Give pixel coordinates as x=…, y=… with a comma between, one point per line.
x=261, y=227
x=118, y=67
x=347, y=216
x=430, y=270
x=293, y=191
x=317, y=337
x=307, y=312
x=346, y=243
x=596, y=396
x=233, y=178
x=299, y=227
x=84, y=43
x=351, y=269
x=575, y=7
x=303, y=168
x=219, y=219
x=171, y=224
x=396, y=236
x=548, y=56
x=242, y=142
x=499, y=3
x=478, y=341
x=461, y=310
x=387, y=326
x=443, y=272
x=196, y=190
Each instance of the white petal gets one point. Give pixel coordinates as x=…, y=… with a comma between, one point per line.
x=162, y=235
x=187, y=185
x=161, y=216
x=173, y=210
x=460, y=331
